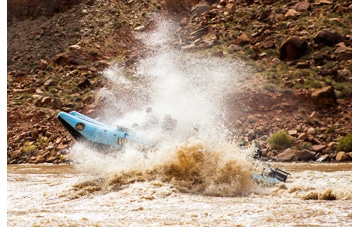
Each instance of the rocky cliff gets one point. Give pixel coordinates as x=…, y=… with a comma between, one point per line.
x=301, y=53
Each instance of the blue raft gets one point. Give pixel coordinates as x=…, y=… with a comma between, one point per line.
x=84, y=128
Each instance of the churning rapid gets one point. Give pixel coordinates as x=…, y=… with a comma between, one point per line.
x=198, y=154
x=191, y=173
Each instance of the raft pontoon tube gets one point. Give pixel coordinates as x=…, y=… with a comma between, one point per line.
x=85, y=128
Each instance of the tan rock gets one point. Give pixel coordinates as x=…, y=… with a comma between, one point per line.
x=311, y=131
x=318, y=148
x=303, y=136
x=324, y=97
x=341, y=156
x=287, y=155
x=292, y=14
x=302, y=6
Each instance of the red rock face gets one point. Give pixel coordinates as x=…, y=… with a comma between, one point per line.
x=23, y=9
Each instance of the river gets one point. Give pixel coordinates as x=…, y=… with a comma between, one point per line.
x=187, y=189
x=201, y=182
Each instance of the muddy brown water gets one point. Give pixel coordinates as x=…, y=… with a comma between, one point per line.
x=186, y=192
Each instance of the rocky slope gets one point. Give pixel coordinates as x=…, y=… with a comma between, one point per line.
x=301, y=53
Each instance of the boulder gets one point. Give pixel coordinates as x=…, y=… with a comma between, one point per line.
x=293, y=48
x=328, y=37
x=306, y=155
x=324, y=97
x=342, y=156
x=287, y=155
x=311, y=131
x=343, y=53
x=302, y=6
x=303, y=136
x=319, y=147
x=243, y=39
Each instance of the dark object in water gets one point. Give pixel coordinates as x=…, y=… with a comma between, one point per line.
x=271, y=176
x=278, y=174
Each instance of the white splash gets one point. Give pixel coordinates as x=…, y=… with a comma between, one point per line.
x=188, y=87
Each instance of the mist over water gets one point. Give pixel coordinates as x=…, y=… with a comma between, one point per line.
x=198, y=155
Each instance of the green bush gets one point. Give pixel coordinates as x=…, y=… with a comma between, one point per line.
x=29, y=147
x=345, y=143
x=280, y=140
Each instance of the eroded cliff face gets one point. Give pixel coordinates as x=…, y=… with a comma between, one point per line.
x=23, y=9
x=54, y=64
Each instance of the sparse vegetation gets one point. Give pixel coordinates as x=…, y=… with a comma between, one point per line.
x=29, y=147
x=105, y=32
x=270, y=87
x=345, y=143
x=280, y=140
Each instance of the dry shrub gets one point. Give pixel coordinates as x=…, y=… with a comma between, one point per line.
x=280, y=140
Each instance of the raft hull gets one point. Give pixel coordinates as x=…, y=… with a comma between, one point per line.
x=83, y=128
